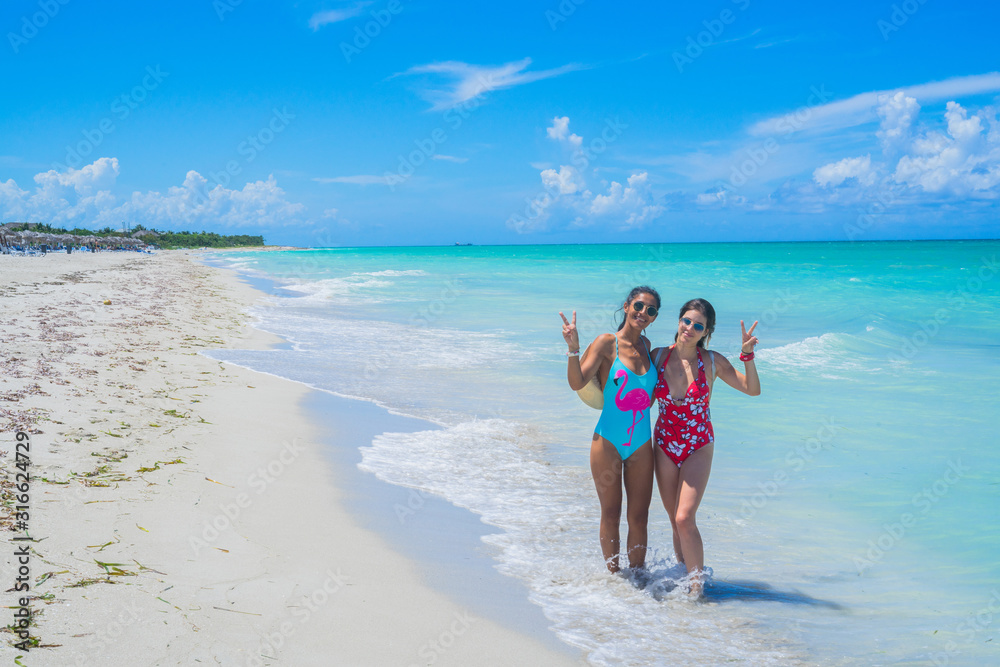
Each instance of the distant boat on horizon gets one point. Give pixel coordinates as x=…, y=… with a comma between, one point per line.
x=457, y=243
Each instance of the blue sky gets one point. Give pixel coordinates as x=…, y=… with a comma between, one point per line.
x=541, y=122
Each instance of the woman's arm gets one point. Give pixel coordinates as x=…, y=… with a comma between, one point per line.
x=580, y=371
x=750, y=383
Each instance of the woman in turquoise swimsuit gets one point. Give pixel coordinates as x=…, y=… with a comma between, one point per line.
x=620, y=449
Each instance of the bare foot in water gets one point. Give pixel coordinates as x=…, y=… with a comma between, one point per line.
x=696, y=585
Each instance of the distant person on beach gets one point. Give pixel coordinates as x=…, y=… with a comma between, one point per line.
x=620, y=449
x=683, y=433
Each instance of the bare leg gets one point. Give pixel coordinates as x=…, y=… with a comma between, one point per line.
x=694, y=474
x=606, y=467
x=638, y=476
x=668, y=481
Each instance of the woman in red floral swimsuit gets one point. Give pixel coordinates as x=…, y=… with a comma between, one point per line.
x=683, y=433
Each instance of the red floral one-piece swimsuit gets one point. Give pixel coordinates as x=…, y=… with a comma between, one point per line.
x=682, y=428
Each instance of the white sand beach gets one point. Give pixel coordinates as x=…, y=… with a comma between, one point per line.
x=181, y=510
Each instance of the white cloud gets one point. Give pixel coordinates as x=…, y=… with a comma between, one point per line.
x=921, y=165
x=470, y=81
x=632, y=204
x=720, y=197
x=860, y=108
x=83, y=197
x=567, y=202
x=709, y=198
x=63, y=198
x=360, y=179
x=898, y=112
x=100, y=175
x=858, y=168
x=963, y=162
x=320, y=19
x=257, y=204
x=560, y=132
x=566, y=181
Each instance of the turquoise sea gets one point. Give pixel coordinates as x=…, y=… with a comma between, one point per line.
x=853, y=513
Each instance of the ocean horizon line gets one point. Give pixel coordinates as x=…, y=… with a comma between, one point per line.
x=644, y=243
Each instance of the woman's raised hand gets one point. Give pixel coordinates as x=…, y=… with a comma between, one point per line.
x=570, y=333
x=748, y=338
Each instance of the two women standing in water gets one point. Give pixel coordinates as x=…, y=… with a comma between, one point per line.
x=626, y=448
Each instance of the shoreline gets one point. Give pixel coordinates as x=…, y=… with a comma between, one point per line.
x=416, y=524
x=153, y=547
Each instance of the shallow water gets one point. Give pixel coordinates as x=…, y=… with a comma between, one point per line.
x=851, y=516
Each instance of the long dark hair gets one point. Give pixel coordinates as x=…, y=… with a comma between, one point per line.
x=706, y=309
x=636, y=291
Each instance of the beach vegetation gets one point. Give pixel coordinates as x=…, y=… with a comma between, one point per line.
x=90, y=581
x=114, y=456
x=91, y=482
x=41, y=579
x=162, y=239
x=114, y=569
x=100, y=547
x=156, y=465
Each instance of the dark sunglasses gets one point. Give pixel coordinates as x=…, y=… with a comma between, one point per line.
x=698, y=326
x=637, y=306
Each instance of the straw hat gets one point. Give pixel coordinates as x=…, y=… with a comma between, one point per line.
x=592, y=394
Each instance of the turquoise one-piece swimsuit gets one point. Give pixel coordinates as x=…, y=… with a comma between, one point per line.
x=624, y=419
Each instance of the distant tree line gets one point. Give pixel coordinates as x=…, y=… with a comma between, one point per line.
x=205, y=240
x=183, y=239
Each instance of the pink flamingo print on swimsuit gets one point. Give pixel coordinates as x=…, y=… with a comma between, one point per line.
x=635, y=401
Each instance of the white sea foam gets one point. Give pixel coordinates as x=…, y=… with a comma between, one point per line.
x=391, y=273
x=339, y=290
x=547, y=517
x=827, y=352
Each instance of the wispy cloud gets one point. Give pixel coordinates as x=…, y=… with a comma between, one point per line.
x=860, y=108
x=450, y=158
x=736, y=39
x=464, y=81
x=320, y=19
x=360, y=179
x=767, y=45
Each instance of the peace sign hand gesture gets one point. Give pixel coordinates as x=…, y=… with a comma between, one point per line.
x=749, y=340
x=570, y=333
